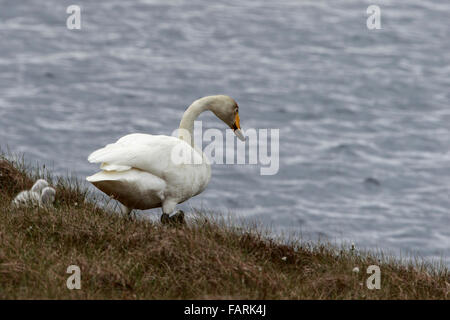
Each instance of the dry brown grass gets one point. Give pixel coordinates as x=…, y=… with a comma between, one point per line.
x=124, y=259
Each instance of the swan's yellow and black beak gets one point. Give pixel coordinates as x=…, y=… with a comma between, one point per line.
x=237, y=128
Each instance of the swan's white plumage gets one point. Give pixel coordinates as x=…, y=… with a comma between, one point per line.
x=135, y=188
x=144, y=171
x=139, y=172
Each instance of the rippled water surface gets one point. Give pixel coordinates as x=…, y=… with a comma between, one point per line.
x=364, y=115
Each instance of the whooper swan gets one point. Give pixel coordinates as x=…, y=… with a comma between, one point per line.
x=143, y=171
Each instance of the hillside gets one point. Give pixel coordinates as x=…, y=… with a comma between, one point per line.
x=207, y=259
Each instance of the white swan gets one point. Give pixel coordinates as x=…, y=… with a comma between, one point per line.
x=139, y=169
x=39, y=195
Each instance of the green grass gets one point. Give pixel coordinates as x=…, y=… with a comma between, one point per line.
x=209, y=258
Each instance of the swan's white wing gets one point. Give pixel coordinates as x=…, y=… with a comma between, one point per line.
x=149, y=153
x=143, y=138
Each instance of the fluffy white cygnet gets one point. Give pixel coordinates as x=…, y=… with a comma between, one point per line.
x=48, y=196
x=39, y=195
x=39, y=185
x=27, y=198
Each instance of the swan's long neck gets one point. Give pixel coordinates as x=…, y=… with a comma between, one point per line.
x=186, y=129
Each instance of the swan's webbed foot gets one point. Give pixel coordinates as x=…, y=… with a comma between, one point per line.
x=176, y=219
x=165, y=219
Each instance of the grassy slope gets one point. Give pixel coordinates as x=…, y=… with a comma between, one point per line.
x=123, y=259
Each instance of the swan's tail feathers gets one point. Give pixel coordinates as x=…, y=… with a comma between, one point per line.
x=114, y=167
x=106, y=154
x=144, y=180
x=91, y=178
x=98, y=155
x=101, y=176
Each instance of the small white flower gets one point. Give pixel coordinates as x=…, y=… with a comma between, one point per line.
x=284, y=258
x=355, y=270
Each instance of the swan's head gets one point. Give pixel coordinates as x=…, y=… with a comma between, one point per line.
x=227, y=110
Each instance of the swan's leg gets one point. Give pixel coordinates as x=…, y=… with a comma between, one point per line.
x=165, y=218
x=126, y=211
x=168, y=207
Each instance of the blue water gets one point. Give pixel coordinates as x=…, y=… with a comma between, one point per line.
x=364, y=115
